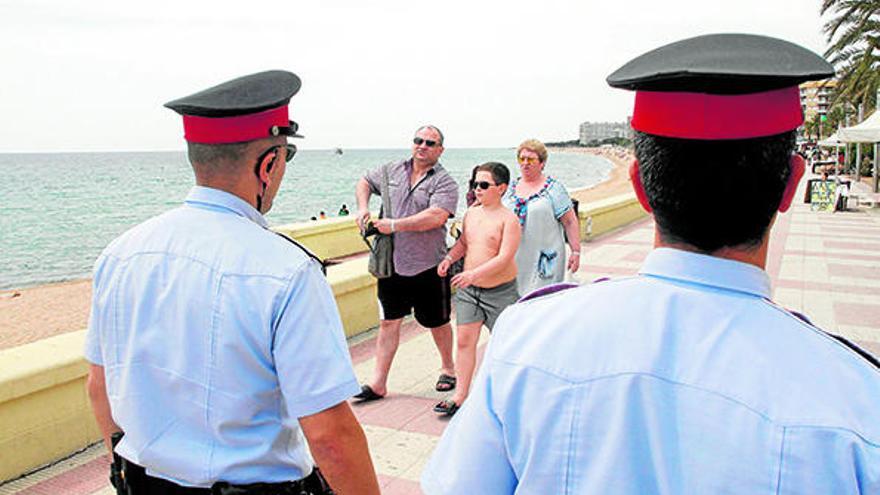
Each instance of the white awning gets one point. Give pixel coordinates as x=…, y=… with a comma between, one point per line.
x=866, y=132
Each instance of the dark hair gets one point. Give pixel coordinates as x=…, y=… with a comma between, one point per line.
x=714, y=194
x=214, y=154
x=435, y=129
x=499, y=171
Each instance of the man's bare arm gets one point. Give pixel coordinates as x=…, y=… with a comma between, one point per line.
x=362, y=195
x=431, y=218
x=340, y=449
x=97, y=390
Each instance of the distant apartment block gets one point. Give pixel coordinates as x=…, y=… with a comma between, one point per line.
x=816, y=97
x=597, y=131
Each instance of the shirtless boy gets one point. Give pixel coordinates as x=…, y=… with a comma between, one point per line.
x=489, y=239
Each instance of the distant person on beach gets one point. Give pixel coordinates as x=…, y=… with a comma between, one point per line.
x=685, y=378
x=322, y=215
x=547, y=217
x=423, y=196
x=490, y=236
x=343, y=211
x=216, y=346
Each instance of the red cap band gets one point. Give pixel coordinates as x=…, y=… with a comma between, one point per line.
x=705, y=116
x=237, y=129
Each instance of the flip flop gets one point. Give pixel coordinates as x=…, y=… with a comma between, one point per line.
x=367, y=394
x=445, y=383
x=446, y=407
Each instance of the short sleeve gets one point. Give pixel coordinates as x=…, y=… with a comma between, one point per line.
x=471, y=456
x=92, y=347
x=445, y=194
x=559, y=197
x=100, y=301
x=313, y=364
x=374, y=178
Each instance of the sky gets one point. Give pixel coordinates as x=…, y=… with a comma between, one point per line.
x=90, y=75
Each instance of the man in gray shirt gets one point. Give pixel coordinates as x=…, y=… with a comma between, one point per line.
x=423, y=196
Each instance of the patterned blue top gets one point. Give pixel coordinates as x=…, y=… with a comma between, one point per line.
x=215, y=335
x=685, y=379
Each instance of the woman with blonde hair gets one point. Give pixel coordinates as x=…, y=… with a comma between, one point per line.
x=547, y=217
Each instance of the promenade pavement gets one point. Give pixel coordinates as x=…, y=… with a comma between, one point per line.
x=824, y=265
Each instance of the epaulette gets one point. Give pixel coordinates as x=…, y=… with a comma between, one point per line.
x=547, y=290
x=867, y=356
x=308, y=253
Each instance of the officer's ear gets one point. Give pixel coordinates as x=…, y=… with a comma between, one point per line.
x=794, y=177
x=265, y=166
x=638, y=187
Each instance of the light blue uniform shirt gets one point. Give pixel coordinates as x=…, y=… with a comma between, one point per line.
x=215, y=335
x=685, y=379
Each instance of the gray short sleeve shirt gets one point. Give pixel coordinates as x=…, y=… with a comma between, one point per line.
x=415, y=252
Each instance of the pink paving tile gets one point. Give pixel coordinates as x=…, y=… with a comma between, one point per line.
x=837, y=255
x=394, y=411
x=398, y=486
x=872, y=348
x=865, y=315
x=636, y=256
x=624, y=242
x=823, y=286
x=863, y=246
x=837, y=230
x=81, y=480
x=844, y=233
x=426, y=422
x=854, y=271
x=596, y=270
x=363, y=351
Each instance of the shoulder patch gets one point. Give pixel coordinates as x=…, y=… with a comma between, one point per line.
x=547, y=290
x=867, y=356
x=305, y=250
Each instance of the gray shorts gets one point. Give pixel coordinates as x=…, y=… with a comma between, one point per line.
x=473, y=304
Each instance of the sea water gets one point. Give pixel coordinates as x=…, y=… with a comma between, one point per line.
x=59, y=210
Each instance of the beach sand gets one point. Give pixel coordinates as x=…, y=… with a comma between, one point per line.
x=31, y=314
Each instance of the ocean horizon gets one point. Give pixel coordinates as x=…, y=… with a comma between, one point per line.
x=59, y=210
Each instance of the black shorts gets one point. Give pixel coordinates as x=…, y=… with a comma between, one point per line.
x=426, y=294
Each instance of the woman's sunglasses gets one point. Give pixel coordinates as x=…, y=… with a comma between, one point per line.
x=531, y=160
x=430, y=143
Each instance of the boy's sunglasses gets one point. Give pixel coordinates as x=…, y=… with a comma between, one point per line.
x=430, y=143
x=483, y=184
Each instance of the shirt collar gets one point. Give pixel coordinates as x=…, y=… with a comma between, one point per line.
x=215, y=199
x=408, y=165
x=702, y=269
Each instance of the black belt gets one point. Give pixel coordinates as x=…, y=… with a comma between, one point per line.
x=140, y=483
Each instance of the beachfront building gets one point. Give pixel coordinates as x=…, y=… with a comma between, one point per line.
x=816, y=98
x=597, y=131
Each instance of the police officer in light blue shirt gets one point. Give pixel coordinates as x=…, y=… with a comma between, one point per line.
x=686, y=378
x=215, y=344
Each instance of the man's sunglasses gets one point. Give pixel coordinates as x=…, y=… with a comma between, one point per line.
x=430, y=143
x=483, y=184
x=531, y=160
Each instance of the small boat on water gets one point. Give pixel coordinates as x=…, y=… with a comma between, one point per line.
x=338, y=151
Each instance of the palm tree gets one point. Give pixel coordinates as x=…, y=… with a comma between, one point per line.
x=853, y=34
